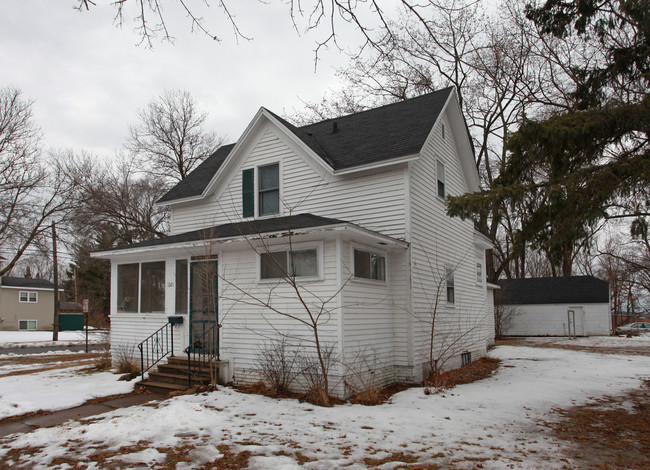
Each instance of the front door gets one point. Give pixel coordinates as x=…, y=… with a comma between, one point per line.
x=203, y=305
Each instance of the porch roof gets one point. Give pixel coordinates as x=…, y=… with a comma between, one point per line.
x=242, y=229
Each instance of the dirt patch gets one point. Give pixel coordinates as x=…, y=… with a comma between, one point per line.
x=44, y=359
x=613, y=432
x=472, y=372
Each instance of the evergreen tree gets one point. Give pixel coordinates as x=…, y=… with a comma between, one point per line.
x=592, y=161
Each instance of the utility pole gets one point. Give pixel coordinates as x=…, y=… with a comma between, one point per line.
x=55, y=326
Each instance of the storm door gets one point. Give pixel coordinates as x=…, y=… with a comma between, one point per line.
x=203, y=305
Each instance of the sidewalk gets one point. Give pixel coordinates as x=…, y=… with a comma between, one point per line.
x=55, y=418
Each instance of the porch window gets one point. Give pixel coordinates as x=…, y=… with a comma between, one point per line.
x=28, y=297
x=152, y=285
x=127, y=287
x=451, y=293
x=269, y=189
x=369, y=265
x=279, y=264
x=181, y=286
x=441, y=179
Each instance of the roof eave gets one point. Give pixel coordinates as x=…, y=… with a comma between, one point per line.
x=381, y=164
x=346, y=226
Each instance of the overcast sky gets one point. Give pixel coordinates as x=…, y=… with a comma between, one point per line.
x=88, y=78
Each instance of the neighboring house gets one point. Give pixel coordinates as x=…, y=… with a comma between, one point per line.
x=26, y=304
x=355, y=208
x=556, y=306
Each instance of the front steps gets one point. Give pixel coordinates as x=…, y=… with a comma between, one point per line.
x=172, y=376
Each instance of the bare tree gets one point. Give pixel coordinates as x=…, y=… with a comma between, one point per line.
x=33, y=191
x=108, y=194
x=170, y=139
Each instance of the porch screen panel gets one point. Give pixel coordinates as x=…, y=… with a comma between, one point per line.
x=127, y=287
x=181, y=286
x=153, y=287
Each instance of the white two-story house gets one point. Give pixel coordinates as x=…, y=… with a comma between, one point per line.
x=340, y=224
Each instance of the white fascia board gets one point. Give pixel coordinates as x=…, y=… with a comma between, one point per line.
x=186, y=246
x=249, y=133
x=298, y=141
x=381, y=164
x=463, y=144
x=482, y=241
x=491, y=286
x=49, y=289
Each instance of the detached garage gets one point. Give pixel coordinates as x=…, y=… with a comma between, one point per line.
x=555, y=306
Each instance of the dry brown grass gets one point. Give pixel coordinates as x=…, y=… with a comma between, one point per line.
x=611, y=433
x=472, y=372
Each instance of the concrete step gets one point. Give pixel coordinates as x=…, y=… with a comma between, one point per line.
x=162, y=387
x=180, y=379
x=179, y=370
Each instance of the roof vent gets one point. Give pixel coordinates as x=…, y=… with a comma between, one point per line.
x=335, y=127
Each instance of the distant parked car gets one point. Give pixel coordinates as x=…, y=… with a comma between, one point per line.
x=641, y=327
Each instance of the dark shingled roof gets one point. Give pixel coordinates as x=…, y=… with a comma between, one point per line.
x=26, y=282
x=276, y=224
x=552, y=290
x=390, y=131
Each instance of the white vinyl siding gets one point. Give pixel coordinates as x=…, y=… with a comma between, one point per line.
x=305, y=188
x=438, y=242
x=248, y=323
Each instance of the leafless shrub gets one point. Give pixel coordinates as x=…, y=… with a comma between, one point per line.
x=103, y=361
x=312, y=371
x=362, y=378
x=278, y=361
x=504, y=315
x=125, y=361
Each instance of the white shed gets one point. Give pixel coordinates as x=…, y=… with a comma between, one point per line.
x=556, y=306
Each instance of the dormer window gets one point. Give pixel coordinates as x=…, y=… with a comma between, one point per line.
x=269, y=189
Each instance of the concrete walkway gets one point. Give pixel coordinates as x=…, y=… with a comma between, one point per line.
x=83, y=411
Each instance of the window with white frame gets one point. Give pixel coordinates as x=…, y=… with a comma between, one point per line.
x=479, y=272
x=451, y=291
x=282, y=264
x=27, y=324
x=268, y=178
x=441, y=179
x=27, y=297
x=368, y=265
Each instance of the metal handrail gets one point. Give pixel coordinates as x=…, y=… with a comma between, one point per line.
x=202, y=352
x=156, y=347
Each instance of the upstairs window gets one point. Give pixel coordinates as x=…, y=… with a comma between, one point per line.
x=269, y=189
x=28, y=297
x=441, y=179
x=451, y=291
x=479, y=272
x=282, y=264
x=369, y=266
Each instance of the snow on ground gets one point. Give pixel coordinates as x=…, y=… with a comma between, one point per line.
x=56, y=389
x=621, y=341
x=16, y=339
x=497, y=419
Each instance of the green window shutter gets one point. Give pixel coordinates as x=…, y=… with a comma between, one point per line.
x=248, y=192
